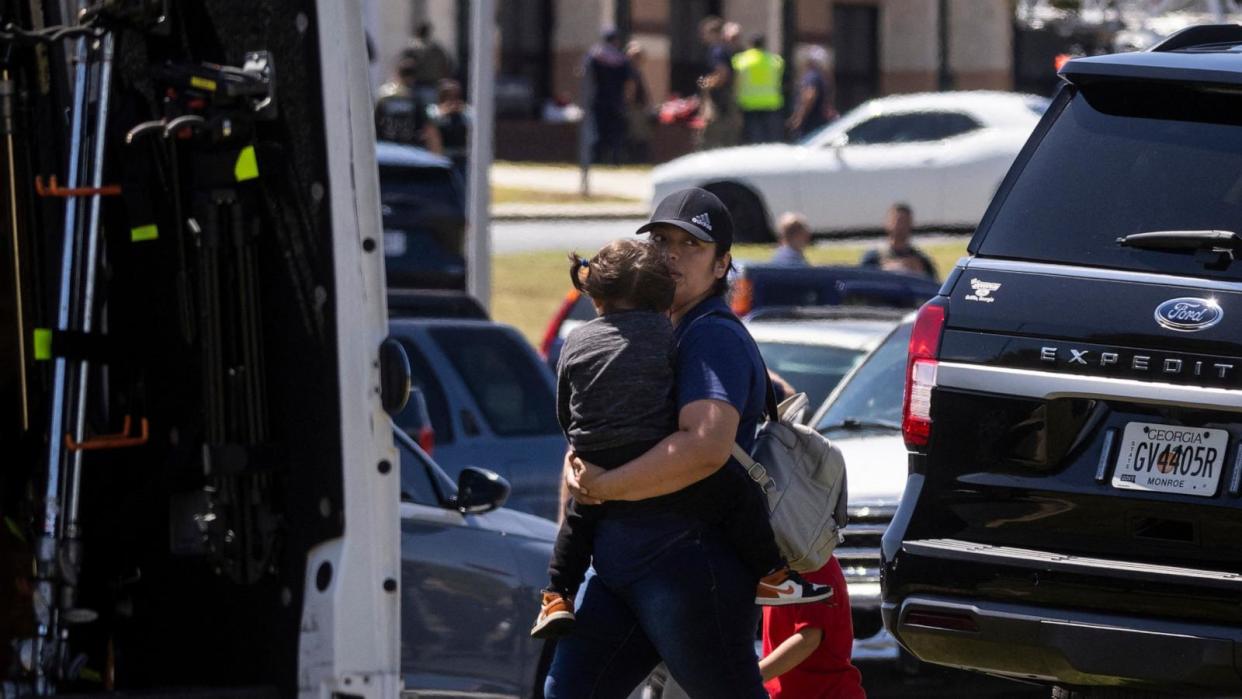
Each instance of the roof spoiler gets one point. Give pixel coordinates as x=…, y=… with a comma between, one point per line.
x=1201, y=35
x=1165, y=62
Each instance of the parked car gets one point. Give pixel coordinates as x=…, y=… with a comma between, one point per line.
x=862, y=417
x=470, y=583
x=813, y=349
x=760, y=288
x=433, y=303
x=1072, y=510
x=423, y=206
x=492, y=403
x=942, y=153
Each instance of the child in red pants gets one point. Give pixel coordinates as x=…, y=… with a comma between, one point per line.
x=806, y=648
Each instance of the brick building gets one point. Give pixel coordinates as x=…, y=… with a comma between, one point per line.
x=878, y=47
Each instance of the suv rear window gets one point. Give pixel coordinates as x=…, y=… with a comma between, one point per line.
x=1122, y=159
x=505, y=379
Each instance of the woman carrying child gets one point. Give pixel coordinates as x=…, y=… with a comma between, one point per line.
x=683, y=550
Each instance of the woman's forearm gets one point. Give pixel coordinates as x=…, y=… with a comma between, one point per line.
x=695, y=451
x=680, y=460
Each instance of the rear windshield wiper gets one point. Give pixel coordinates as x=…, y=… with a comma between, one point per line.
x=853, y=423
x=1215, y=249
x=1215, y=241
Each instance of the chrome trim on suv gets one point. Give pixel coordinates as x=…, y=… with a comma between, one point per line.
x=956, y=549
x=1047, y=386
x=1099, y=273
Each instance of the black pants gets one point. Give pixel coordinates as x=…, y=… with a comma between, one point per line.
x=728, y=499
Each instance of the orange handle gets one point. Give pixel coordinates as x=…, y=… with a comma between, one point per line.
x=53, y=189
x=113, y=441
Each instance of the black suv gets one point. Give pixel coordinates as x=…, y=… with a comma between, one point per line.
x=1074, y=397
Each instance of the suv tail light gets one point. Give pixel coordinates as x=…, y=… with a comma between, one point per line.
x=921, y=367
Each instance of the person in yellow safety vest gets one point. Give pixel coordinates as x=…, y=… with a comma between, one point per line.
x=758, y=78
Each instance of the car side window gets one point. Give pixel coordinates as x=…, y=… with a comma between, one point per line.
x=911, y=128
x=416, y=479
x=951, y=124
x=424, y=379
x=508, y=384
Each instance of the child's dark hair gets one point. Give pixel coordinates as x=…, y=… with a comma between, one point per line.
x=626, y=273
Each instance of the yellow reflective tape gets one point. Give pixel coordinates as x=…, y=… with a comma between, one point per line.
x=42, y=344
x=90, y=675
x=203, y=83
x=15, y=530
x=247, y=166
x=144, y=233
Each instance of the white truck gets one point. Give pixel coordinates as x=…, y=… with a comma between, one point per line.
x=197, y=477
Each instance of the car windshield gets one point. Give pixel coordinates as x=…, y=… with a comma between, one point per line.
x=872, y=396
x=812, y=369
x=1120, y=160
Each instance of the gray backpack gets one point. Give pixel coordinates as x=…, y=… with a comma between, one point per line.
x=803, y=477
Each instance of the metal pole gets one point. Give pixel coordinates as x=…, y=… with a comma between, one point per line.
x=482, y=86
x=942, y=25
x=47, y=553
x=6, y=115
x=88, y=304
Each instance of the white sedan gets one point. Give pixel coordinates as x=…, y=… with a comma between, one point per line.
x=942, y=153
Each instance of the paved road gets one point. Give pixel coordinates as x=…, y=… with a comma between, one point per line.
x=583, y=236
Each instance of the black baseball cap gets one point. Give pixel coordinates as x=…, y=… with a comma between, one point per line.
x=697, y=212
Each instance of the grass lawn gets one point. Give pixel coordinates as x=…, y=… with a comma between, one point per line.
x=527, y=288
x=516, y=195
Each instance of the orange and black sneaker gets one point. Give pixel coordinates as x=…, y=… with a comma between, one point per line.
x=784, y=586
x=556, y=617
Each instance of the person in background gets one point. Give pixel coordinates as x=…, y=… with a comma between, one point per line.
x=806, y=648
x=899, y=254
x=400, y=116
x=722, y=121
x=609, y=71
x=794, y=235
x=814, y=106
x=759, y=74
x=638, y=107
x=451, y=116
x=434, y=63
x=731, y=32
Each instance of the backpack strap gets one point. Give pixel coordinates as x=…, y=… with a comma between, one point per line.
x=754, y=469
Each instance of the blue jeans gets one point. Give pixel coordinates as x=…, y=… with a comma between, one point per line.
x=665, y=588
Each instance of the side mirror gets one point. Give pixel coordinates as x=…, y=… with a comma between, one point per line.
x=480, y=490
x=394, y=376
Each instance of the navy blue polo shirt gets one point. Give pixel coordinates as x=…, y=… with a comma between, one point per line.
x=718, y=360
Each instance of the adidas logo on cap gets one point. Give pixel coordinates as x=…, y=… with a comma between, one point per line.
x=702, y=220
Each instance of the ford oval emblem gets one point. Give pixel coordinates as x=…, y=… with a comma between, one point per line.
x=1189, y=315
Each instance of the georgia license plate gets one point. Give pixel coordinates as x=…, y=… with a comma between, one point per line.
x=1169, y=459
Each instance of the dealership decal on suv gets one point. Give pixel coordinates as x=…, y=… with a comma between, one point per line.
x=1189, y=315
x=982, y=291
